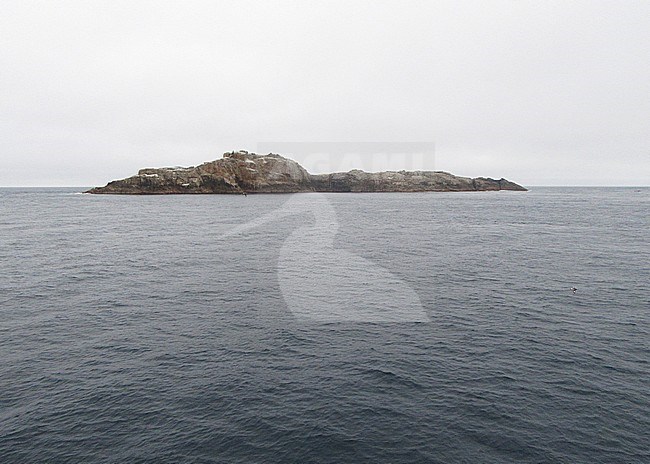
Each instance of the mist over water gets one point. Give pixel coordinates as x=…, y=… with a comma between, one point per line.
x=139, y=329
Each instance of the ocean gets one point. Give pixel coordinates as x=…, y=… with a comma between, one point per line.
x=325, y=328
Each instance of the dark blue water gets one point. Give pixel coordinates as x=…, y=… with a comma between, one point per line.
x=131, y=330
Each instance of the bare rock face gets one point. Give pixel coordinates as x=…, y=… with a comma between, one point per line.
x=242, y=172
x=405, y=181
x=237, y=172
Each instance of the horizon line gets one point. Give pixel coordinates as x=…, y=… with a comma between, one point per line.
x=527, y=186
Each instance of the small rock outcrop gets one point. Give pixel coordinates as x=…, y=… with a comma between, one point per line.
x=242, y=172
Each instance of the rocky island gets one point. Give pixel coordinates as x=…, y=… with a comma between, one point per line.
x=242, y=173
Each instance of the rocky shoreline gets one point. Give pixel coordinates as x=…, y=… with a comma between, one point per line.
x=243, y=173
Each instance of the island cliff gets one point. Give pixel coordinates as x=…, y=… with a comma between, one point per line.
x=242, y=172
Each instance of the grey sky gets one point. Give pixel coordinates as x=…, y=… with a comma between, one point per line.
x=543, y=93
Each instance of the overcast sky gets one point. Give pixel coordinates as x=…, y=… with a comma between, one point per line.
x=542, y=93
